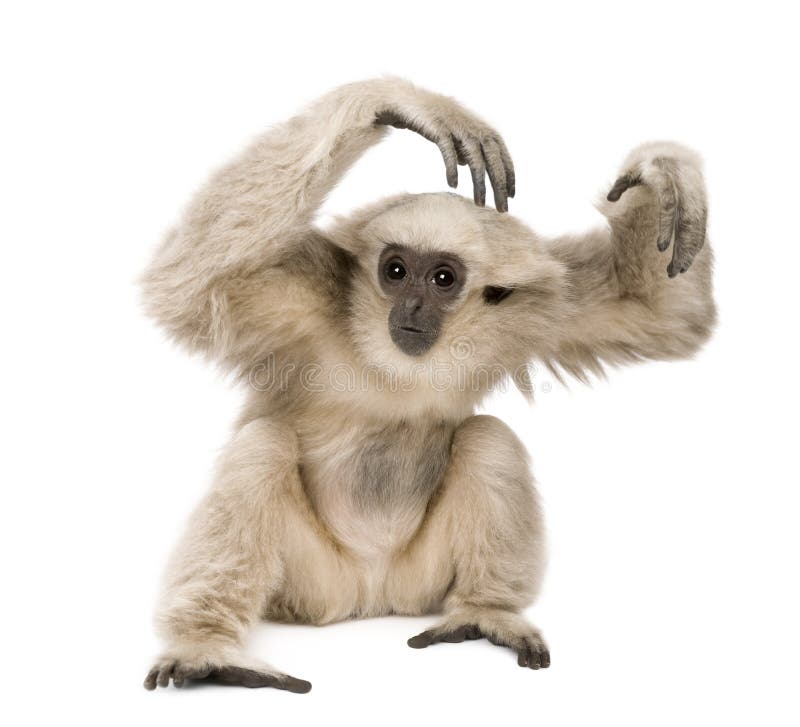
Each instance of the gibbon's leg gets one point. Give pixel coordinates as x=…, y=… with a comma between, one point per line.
x=229, y=563
x=486, y=522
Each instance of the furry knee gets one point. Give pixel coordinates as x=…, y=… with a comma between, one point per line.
x=490, y=451
x=498, y=531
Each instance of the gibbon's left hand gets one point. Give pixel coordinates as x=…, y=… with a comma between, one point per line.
x=463, y=139
x=673, y=173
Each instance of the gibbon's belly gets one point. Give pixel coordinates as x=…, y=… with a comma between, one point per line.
x=371, y=487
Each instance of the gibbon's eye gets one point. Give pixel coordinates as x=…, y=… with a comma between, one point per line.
x=443, y=278
x=395, y=270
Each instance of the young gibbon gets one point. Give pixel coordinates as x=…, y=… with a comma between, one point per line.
x=359, y=482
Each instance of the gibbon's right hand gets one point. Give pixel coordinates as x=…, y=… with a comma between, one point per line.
x=673, y=173
x=463, y=139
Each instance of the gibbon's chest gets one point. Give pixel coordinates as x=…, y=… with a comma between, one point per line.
x=371, y=486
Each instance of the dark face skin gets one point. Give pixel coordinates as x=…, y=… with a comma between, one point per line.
x=422, y=288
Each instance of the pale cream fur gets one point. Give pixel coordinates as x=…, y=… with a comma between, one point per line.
x=389, y=497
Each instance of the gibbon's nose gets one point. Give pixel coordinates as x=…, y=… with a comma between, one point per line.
x=412, y=304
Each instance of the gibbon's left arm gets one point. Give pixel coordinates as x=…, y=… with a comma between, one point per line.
x=639, y=289
x=246, y=272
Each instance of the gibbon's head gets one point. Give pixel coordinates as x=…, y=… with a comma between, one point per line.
x=439, y=284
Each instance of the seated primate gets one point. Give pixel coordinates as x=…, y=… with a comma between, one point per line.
x=387, y=495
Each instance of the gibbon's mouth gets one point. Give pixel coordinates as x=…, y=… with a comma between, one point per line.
x=412, y=340
x=415, y=331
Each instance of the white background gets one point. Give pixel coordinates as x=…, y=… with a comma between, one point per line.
x=671, y=490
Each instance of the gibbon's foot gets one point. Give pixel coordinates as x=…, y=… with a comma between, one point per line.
x=462, y=139
x=672, y=172
x=181, y=672
x=530, y=648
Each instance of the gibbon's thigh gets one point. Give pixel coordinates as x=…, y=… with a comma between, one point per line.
x=482, y=540
x=317, y=581
x=321, y=582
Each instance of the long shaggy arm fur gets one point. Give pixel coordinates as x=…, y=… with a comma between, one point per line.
x=617, y=294
x=248, y=232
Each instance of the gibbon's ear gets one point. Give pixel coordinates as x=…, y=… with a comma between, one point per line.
x=493, y=294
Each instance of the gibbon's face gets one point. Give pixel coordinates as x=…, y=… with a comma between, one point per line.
x=428, y=296
x=421, y=287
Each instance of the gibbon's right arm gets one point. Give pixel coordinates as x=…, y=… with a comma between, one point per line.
x=638, y=288
x=245, y=271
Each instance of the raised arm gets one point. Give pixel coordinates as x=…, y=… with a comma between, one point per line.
x=245, y=273
x=640, y=288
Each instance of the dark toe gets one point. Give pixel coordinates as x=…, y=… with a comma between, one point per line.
x=164, y=675
x=292, y=684
x=473, y=632
x=420, y=641
x=456, y=636
x=150, y=679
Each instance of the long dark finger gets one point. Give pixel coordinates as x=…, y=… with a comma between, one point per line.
x=674, y=266
x=460, y=155
x=544, y=658
x=690, y=236
x=668, y=213
x=693, y=237
x=511, y=178
x=448, y=149
x=477, y=168
x=497, y=174
x=626, y=181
